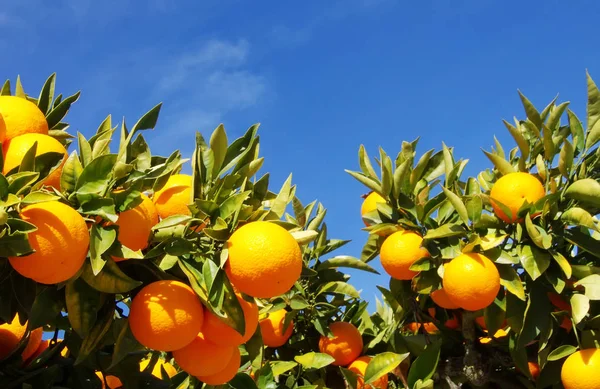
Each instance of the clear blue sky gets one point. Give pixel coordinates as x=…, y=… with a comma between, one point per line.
x=321, y=76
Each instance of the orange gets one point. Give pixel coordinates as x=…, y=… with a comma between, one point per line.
x=135, y=225
x=42, y=347
x=61, y=243
x=534, y=370
x=441, y=299
x=15, y=149
x=2, y=128
x=429, y=327
x=264, y=261
x=346, y=344
x=399, y=251
x=580, y=370
x=166, y=315
x=471, y=281
x=452, y=323
x=174, y=197
x=227, y=374
x=33, y=343
x=202, y=357
x=156, y=370
x=11, y=335
x=220, y=333
x=112, y=381
x=21, y=116
x=359, y=367
x=370, y=204
x=271, y=329
x=512, y=190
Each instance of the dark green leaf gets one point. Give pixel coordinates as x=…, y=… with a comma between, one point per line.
x=425, y=365
x=83, y=304
x=47, y=94
x=95, y=176
x=100, y=241
x=218, y=144
x=534, y=261
x=71, y=171
x=94, y=337
x=60, y=111
x=339, y=287
x=576, y=131
x=46, y=307
x=110, y=279
x=125, y=344
x=445, y=231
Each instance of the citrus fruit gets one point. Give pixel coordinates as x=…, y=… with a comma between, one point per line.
x=452, y=323
x=264, y=259
x=174, y=197
x=166, y=315
x=202, y=357
x=512, y=190
x=271, y=329
x=441, y=299
x=217, y=331
x=61, y=243
x=135, y=225
x=359, y=367
x=11, y=335
x=399, y=251
x=112, y=381
x=471, y=281
x=580, y=370
x=429, y=327
x=346, y=344
x=16, y=148
x=370, y=204
x=44, y=344
x=156, y=370
x=534, y=370
x=227, y=374
x=34, y=341
x=21, y=116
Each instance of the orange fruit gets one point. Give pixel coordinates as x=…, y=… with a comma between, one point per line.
x=156, y=370
x=346, y=344
x=370, y=204
x=21, y=116
x=112, y=381
x=271, y=329
x=61, y=243
x=558, y=301
x=534, y=370
x=44, y=344
x=220, y=333
x=135, y=225
x=227, y=374
x=429, y=327
x=174, y=197
x=11, y=335
x=580, y=370
x=512, y=190
x=33, y=343
x=166, y=315
x=452, y=323
x=202, y=357
x=264, y=259
x=2, y=128
x=471, y=281
x=16, y=148
x=441, y=299
x=359, y=367
x=399, y=251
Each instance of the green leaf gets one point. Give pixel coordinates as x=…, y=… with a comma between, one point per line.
x=565, y=162
x=564, y=264
x=99, y=206
x=19, y=91
x=369, y=182
x=425, y=365
x=60, y=111
x=280, y=367
x=561, y=352
x=218, y=144
x=519, y=138
x=537, y=234
x=503, y=166
x=591, y=284
x=576, y=131
x=387, y=177
x=586, y=190
x=280, y=203
x=593, y=113
x=347, y=262
x=100, y=241
x=233, y=204
x=580, y=306
x=110, y=279
x=474, y=209
x=509, y=278
x=365, y=163
x=338, y=287
x=445, y=231
x=548, y=144
x=95, y=176
x=85, y=150
x=537, y=316
x=15, y=245
x=400, y=180
x=314, y=360
x=83, y=304
x=96, y=334
x=578, y=217
x=46, y=307
x=583, y=241
x=382, y=364
x=38, y=197
x=531, y=112
x=46, y=96
x=534, y=261
x=419, y=169
x=126, y=343
x=6, y=89
x=71, y=171
x=305, y=237
x=458, y=205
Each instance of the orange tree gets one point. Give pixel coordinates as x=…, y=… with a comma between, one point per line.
x=141, y=276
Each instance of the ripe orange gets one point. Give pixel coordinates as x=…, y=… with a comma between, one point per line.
x=33, y=343
x=202, y=357
x=471, y=281
x=580, y=370
x=61, y=243
x=271, y=329
x=135, y=225
x=359, y=367
x=512, y=190
x=112, y=381
x=174, y=197
x=264, y=259
x=441, y=299
x=345, y=345
x=11, y=335
x=166, y=315
x=429, y=327
x=2, y=128
x=452, y=323
x=227, y=374
x=534, y=370
x=220, y=333
x=15, y=149
x=370, y=204
x=399, y=251
x=156, y=370
x=21, y=116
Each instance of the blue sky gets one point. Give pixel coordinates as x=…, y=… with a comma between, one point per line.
x=322, y=77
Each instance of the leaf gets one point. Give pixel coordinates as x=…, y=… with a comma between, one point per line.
x=445, y=231
x=474, y=208
x=218, y=144
x=96, y=175
x=593, y=113
x=425, y=365
x=110, y=279
x=126, y=343
x=367, y=181
x=509, y=278
x=365, y=163
x=419, y=169
x=305, y=237
x=46, y=95
x=576, y=131
x=387, y=177
x=314, y=360
x=458, y=205
x=347, y=262
x=580, y=306
x=519, y=138
x=280, y=203
x=232, y=204
x=58, y=113
x=46, y=307
x=531, y=112
x=71, y=171
x=586, y=190
x=280, y=367
x=38, y=197
x=583, y=241
x=338, y=287
x=591, y=284
x=503, y=166
x=83, y=304
x=537, y=234
x=382, y=364
x=565, y=162
x=100, y=241
x=94, y=337
x=578, y=217
x=565, y=266
x=548, y=144
x=534, y=261
x=537, y=316
x=561, y=352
